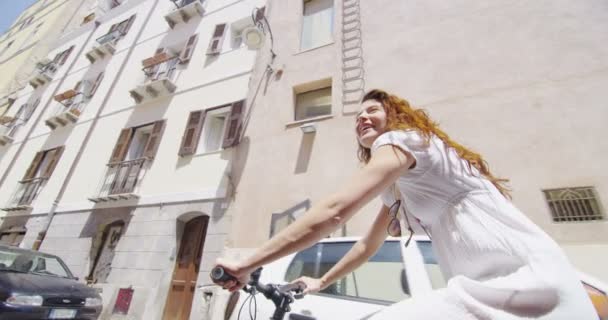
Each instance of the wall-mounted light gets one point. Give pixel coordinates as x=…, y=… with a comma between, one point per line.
x=253, y=37
x=309, y=127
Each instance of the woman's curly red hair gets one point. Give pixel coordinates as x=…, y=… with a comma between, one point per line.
x=401, y=116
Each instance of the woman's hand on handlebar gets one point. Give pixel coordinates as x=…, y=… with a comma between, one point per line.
x=233, y=268
x=311, y=285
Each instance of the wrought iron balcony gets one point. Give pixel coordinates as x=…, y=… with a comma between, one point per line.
x=121, y=181
x=7, y=132
x=159, y=71
x=43, y=74
x=63, y=115
x=106, y=46
x=25, y=194
x=184, y=11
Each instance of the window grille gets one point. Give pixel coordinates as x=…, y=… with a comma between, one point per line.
x=574, y=204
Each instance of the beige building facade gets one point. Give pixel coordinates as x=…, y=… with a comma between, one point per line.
x=521, y=83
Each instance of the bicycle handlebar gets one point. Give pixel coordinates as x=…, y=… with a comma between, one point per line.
x=280, y=295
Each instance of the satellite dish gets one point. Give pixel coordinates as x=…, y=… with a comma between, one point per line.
x=253, y=37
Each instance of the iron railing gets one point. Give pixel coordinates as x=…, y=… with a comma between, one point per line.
x=122, y=177
x=183, y=3
x=162, y=70
x=110, y=37
x=9, y=129
x=75, y=105
x=26, y=192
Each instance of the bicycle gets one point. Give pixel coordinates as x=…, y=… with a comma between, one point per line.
x=280, y=295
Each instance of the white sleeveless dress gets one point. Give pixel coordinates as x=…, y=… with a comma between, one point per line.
x=500, y=265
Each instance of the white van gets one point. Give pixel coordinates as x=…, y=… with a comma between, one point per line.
x=394, y=273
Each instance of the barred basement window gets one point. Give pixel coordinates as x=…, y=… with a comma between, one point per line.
x=573, y=204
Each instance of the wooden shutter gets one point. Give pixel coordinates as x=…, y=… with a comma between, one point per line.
x=233, y=125
x=192, y=134
x=215, y=45
x=53, y=156
x=65, y=55
x=154, y=140
x=128, y=24
x=122, y=145
x=95, y=84
x=188, y=49
x=31, y=171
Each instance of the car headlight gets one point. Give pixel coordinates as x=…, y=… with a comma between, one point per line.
x=92, y=302
x=23, y=300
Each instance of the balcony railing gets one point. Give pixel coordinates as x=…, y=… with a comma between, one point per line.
x=43, y=74
x=110, y=37
x=184, y=10
x=162, y=70
x=121, y=180
x=25, y=194
x=159, y=71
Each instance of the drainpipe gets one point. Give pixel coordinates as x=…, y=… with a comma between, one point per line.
x=85, y=142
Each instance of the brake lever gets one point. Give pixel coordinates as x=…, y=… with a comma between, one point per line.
x=297, y=288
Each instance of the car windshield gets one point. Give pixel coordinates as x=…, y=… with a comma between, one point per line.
x=30, y=262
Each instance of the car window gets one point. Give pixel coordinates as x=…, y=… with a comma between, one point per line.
x=431, y=265
x=381, y=278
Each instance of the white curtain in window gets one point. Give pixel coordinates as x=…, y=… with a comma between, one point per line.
x=317, y=23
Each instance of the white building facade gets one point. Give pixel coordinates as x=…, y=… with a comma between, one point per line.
x=123, y=165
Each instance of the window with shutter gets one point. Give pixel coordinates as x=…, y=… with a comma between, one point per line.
x=122, y=145
x=30, y=110
x=233, y=125
x=65, y=55
x=33, y=168
x=192, y=133
x=154, y=140
x=126, y=25
x=53, y=158
x=215, y=45
x=95, y=85
x=186, y=53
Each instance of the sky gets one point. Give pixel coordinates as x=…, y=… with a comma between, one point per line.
x=10, y=10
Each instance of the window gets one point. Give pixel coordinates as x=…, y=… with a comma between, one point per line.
x=138, y=142
x=317, y=23
x=313, y=103
x=141, y=135
x=61, y=57
x=8, y=45
x=374, y=280
x=217, y=38
x=573, y=204
x=43, y=164
x=431, y=265
x=212, y=129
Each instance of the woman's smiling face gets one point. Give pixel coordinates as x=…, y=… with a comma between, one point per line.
x=370, y=123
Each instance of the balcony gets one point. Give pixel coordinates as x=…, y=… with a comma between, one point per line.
x=121, y=181
x=43, y=74
x=25, y=194
x=68, y=110
x=7, y=132
x=184, y=11
x=106, y=46
x=159, y=71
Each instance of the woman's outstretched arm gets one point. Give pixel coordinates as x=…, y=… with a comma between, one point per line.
x=356, y=256
x=386, y=165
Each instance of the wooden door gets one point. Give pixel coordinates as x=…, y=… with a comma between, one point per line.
x=183, y=283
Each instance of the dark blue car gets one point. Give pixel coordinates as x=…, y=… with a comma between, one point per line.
x=36, y=285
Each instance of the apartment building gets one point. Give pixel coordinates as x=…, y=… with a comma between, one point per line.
x=124, y=165
x=30, y=38
x=521, y=83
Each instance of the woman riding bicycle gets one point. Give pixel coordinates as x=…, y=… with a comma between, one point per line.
x=499, y=264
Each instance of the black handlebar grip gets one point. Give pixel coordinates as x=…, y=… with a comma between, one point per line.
x=218, y=274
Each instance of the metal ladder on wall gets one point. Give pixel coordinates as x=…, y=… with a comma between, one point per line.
x=353, y=73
